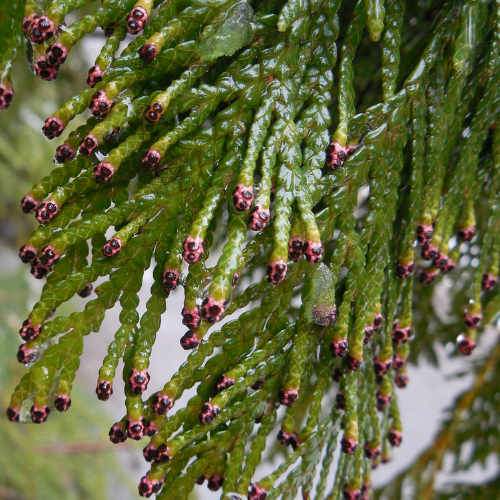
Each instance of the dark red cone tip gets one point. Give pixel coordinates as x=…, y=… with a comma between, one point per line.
x=243, y=197
x=276, y=272
x=94, y=75
x=192, y=249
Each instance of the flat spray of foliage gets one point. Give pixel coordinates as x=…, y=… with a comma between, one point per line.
x=348, y=149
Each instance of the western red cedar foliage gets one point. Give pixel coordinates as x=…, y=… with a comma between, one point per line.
x=308, y=167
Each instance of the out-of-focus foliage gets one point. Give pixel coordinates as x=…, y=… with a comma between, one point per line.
x=67, y=458
x=25, y=155
x=469, y=435
x=465, y=491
